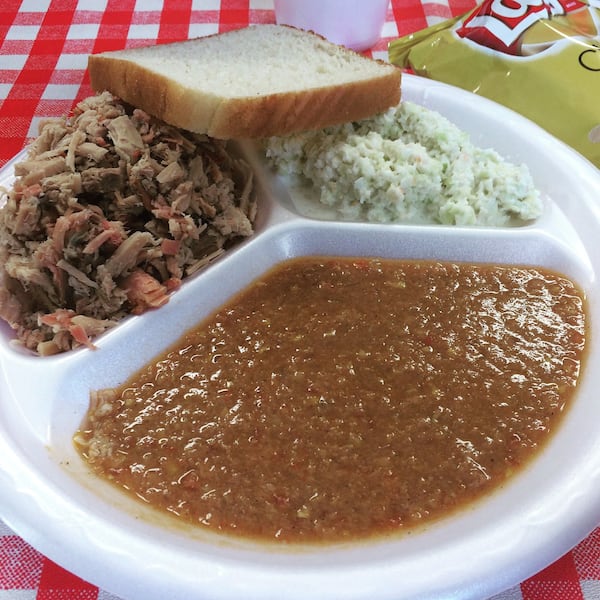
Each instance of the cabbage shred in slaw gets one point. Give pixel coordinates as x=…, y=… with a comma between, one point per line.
x=409, y=165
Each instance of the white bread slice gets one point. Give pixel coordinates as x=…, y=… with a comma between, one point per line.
x=254, y=82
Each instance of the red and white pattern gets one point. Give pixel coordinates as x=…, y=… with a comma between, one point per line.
x=44, y=45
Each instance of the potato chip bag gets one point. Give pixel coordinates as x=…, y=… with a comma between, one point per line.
x=540, y=58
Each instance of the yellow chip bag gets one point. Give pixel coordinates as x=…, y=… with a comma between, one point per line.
x=539, y=57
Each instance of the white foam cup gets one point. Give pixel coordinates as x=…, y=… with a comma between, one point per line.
x=356, y=24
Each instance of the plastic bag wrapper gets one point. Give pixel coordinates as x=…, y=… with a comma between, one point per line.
x=541, y=59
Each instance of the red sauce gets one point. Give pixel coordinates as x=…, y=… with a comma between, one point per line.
x=345, y=398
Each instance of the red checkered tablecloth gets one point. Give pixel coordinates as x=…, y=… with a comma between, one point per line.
x=44, y=45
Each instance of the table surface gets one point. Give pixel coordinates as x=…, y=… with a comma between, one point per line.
x=44, y=45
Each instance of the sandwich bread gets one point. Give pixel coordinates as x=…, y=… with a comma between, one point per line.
x=255, y=82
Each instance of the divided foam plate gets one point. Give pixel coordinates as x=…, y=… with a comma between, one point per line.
x=50, y=498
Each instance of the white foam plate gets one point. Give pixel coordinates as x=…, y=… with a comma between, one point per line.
x=50, y=499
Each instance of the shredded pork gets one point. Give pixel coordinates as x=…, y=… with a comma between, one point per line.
x=109, y=212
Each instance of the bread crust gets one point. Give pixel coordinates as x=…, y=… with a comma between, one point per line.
x=159, y=96
x=244, y=117
x=283, y=114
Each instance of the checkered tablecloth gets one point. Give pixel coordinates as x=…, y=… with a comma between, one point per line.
x=44, y=45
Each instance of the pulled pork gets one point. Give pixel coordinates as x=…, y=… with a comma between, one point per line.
x=109, y=212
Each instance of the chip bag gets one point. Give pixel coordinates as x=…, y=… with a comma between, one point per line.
x=540, y=58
